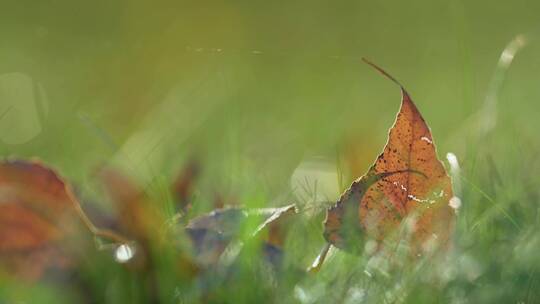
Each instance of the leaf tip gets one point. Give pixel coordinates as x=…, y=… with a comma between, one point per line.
x=384, y=73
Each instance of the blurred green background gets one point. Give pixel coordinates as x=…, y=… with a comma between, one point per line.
x=255, y=85
x=259, y=89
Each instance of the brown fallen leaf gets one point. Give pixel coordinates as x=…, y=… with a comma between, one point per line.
x=138, y=216
x=183, y=186
x=142, y=221
x=275, y=225
x=211, y=233
x=407, y=181
x=41, y=221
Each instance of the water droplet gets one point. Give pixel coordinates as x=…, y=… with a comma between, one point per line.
x=453, y=161
x=455, y=203
x=124, y=253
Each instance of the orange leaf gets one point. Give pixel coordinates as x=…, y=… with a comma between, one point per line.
x=184, y=185
x=406, y=181
x=138, y=216
x=38, y=213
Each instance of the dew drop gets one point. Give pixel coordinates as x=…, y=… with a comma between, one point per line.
x=124, y=253
x=455, y=203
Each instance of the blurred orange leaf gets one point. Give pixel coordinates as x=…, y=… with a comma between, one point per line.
x=138, y=216
x=38, y=213
x=183, y=186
